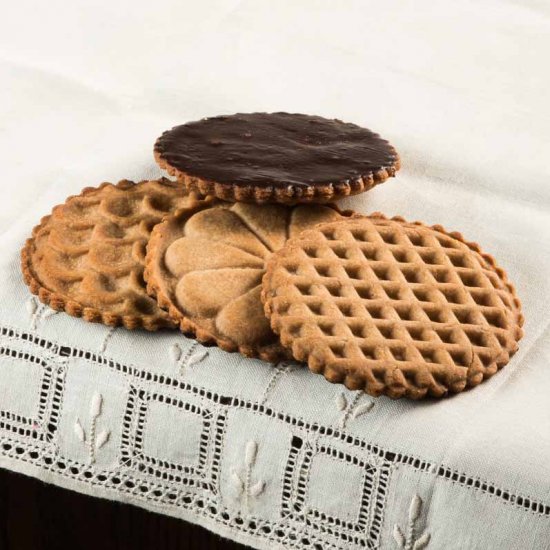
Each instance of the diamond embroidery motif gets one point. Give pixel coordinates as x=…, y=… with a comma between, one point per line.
x=190, y=458
x=306, y=462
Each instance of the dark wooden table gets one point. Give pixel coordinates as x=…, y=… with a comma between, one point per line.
x=37, y=516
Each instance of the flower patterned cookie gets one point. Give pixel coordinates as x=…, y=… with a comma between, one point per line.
x=205, y=265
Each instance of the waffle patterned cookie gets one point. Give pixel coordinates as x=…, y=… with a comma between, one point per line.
x=87, y=257
x=392, y=307
x=205, y=266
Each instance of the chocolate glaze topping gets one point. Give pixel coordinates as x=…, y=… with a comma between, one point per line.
x=275, y=149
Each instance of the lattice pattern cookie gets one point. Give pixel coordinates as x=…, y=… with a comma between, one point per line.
x=205, y=266
x=87, y=257
x=392, y=307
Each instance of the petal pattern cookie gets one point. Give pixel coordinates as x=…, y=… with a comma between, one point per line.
x=275, y=158
x=205, y=265
x=392, y=307
x=87, y=257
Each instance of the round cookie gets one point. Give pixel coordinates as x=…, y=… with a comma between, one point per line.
x=392, y=307
x=276, y=157
x=87, y=257
x=205, y=265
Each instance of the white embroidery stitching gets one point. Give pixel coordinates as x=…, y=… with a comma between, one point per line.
x=409, y=542
x=197, y=357
x=92, y=441
x=175, y=352
x=38, y=311
x=34, y=308
x=351, y=409
x=47, y=313
x=188, y=360
x=242, y=484
x=279, y=370
x=341, y=401
x=160, y=488
x=106, y=338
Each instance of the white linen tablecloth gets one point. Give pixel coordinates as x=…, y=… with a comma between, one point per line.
x=274, y=456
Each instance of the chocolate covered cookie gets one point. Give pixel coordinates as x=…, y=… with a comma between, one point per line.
x=276, y=157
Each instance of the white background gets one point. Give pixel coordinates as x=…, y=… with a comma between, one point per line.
x=459, y=87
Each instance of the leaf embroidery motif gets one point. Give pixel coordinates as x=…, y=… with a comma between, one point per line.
x=250, y=453
x=102, y=438
x=95, y=405
x=363, y=409
x=49, y=313
x=242, y=483
x=106, y=338
x=189, y=359
x=410, y=542
x=422, y=542
x=236, y=482
x=92, y=442
x=341, y=402
x=79, y=431
x=175, y=353
x=197, y=357
x=31, y=305
x=398, y=536
x=38, y=311
x=351, y=408
x=257, y=489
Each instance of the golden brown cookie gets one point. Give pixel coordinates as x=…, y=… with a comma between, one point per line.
x=205, y=266
x=87, y=257
x=392, y=307
x=276, y=157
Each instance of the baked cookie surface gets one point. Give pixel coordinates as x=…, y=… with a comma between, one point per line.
x=205, y=265
x=276, y=157
x=392, y=307
x=87, y=257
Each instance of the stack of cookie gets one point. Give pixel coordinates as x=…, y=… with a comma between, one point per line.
x=247, y=251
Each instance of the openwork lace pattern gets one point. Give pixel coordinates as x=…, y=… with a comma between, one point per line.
x=210, y=486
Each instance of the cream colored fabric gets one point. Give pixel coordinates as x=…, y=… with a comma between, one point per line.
x=279, y=457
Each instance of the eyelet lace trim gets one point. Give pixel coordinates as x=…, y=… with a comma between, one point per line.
x=196, y=488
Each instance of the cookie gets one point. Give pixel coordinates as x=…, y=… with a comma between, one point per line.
x=392, y=307
x=87, y=257
x=205, y=266
x=276, y=157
